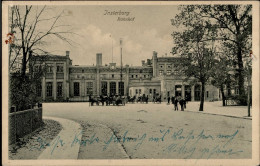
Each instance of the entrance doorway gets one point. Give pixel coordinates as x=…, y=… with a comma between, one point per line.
x=104, y=88
x=188, y=92
x=112, y=88
x=177, y=90
x=197, y=92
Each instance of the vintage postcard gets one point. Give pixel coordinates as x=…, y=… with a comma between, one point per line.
x=130, y=83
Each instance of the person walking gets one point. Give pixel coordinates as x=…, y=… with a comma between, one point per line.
x=169, y=100
x=175, y=104
x=181, y=103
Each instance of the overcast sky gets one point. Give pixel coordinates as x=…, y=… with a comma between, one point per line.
x=150, y=31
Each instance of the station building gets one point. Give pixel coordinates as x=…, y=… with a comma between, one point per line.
x=155, y=76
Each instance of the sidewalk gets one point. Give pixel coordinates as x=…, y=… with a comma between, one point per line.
x=60, y=147
x=216, y=108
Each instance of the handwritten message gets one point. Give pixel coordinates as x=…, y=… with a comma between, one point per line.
x=179, y=142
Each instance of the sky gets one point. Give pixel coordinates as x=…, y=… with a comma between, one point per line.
x=97, y=32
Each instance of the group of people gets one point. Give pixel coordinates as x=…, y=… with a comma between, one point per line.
x=141, y=99
x=111, y=99
x=176, y=100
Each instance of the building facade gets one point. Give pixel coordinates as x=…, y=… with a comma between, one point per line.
x=156, y=76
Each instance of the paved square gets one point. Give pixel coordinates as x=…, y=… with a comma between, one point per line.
x=142, y=131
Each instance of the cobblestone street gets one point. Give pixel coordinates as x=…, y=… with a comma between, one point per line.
x=141, y=131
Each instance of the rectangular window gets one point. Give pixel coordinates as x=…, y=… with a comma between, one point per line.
x=136, y=76
x=49, y=89
x=49, y=69
x=59, y=69
x=151, y=91
x=176, y=72
x=113, y=76
x=89, y=88
x=104, y=88
x=207, y=94
x=121, y=88
x=140, y=91
x=76, y=88
x=59, y=89
x=39, y=90
x=113, y=88
x=237, y=91
x=132, y=76
x=144, y=76
x=136, y=91
x=36, y=68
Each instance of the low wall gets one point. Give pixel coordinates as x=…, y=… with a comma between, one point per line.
x=23, y=123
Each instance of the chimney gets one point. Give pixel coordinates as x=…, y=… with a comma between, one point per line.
x=143, y=62
x=99, y=59
x=148, y=62
x=154, y=54
x=67, y=53
x=154, y=63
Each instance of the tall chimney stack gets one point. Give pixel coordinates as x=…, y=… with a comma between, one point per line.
x=154, y=63
x=99, y=59
x=143, y=62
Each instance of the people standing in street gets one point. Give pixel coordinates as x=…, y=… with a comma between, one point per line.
x=175, y=104
x=186, y=99
x=173, y=99
x=182, y=103
x=179, y=98
x=169, y=100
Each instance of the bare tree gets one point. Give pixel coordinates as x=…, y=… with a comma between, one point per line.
x=26, y=24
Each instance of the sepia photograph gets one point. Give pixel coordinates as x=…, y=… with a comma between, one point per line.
x=121, y=83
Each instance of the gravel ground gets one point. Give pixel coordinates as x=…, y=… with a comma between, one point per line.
x=34, y=145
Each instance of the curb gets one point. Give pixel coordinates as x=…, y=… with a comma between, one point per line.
x=201, y=112
x=61, y=146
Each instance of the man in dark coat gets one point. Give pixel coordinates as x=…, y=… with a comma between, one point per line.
x=175, y=104
x=173, y=98
x=182, y=103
